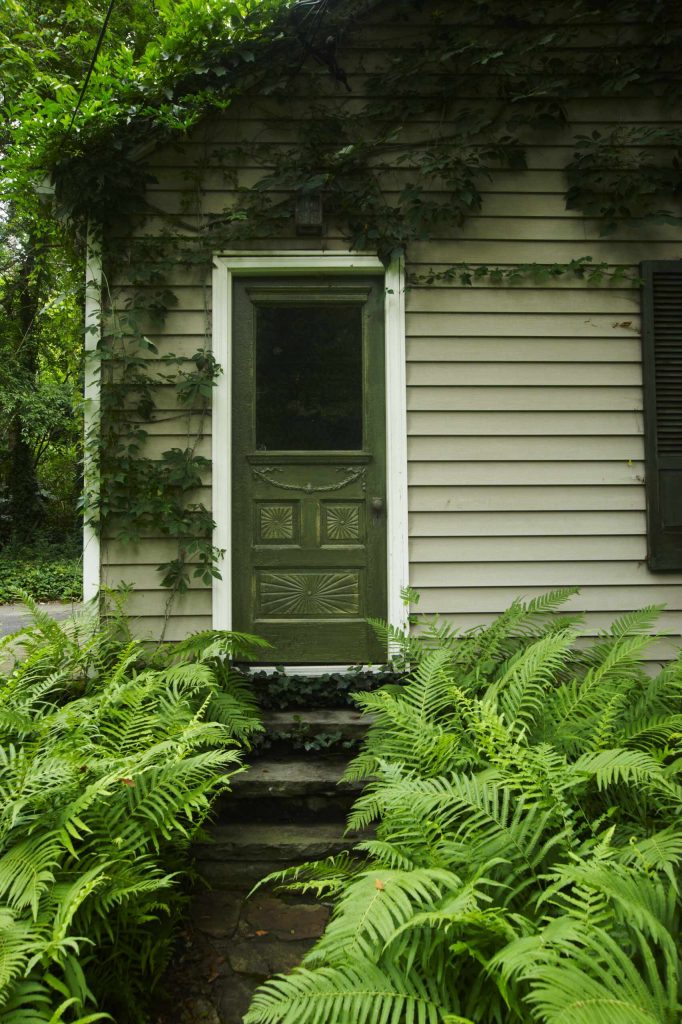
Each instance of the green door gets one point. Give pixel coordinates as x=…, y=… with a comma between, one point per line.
x=308, y=485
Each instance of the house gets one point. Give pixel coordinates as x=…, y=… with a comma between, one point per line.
x=477, y=403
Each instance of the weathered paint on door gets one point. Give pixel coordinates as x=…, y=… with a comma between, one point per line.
x=309, y=522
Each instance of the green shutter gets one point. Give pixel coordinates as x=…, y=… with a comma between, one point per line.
x=662, y=365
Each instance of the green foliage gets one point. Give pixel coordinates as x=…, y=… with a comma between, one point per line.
x=45, y=573
x=39, y=380
x=329, y=690
x=109, y=764
x=526, y=859
x=137, y=493
x=202, y=56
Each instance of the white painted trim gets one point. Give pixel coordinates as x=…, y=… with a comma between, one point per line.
x=221, y=442
x=243, y=264
x=91, y=408
x=398, y=558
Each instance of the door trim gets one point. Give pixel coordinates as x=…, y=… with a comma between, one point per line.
x=226, y=266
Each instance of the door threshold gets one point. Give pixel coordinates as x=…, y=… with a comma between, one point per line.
x=311, y=670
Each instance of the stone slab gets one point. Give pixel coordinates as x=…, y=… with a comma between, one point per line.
x=276, y=842
x=264, y=914
x=241, y=875
x=309, y=721
x=267, y=957
x=292, y=777
x=232, y=998
x=216, y=912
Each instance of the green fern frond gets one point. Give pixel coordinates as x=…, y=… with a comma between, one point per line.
x=521, y=691
x=579, y=703
x=321, y=878
x=661, y=851
x=546, y=604
x=386, y=854
x=362, y=994
x=17, y=940
x=373, y=908
x=210, y=644
x=609, y=767
x=581, y=975
x=642, y=621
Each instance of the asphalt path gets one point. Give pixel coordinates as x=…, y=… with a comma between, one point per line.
x=14, y=616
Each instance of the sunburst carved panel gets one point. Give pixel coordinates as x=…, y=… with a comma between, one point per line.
x=342, y=522
x=321, y=594
x=276, y=522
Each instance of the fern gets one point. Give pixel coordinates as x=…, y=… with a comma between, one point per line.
x=110, y=759
x=355, y=992
x=526, y=864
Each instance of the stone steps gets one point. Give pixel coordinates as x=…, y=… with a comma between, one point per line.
x=242, y=854
x=281, y=811
x=275, y=842
x=347, y=723
x=303, y=776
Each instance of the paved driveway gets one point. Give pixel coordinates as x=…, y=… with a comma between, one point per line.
x=14, y=616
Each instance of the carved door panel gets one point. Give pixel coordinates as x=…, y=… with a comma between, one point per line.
x=309, y=526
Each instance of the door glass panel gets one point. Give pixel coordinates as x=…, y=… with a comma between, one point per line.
x=309, y=377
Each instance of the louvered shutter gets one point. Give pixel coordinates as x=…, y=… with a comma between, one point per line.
x=662, y=365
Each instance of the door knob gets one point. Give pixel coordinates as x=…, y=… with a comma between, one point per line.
x=377, y=505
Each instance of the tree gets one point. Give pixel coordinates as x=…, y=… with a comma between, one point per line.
x=46, y=51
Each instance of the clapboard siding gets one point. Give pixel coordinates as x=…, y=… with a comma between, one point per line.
x=617, y=301
x=536, y=498
x=176, y=627
x=527, y=423
x=571, y=573
x=535, y=549
x=498, y=396
x=515, y=473
x=445, y=374
x=481, y=525
x=524, y=350
x=612, y=600
x=438, y=448
x=522, y=325
x=524, y=402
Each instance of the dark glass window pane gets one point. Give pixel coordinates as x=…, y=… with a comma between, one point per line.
x=309, y=377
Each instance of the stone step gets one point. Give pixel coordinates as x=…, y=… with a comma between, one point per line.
x=288, y=843
x=292, y=777
x=240, y=855
x=346, y=723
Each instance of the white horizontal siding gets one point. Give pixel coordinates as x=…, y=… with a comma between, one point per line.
x=497, y=396
x=538, y=525
x=532, y=498
x=578, y=424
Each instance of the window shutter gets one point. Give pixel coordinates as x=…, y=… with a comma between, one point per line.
x=662, y=366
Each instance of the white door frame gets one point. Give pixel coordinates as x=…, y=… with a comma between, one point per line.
x=226, y=266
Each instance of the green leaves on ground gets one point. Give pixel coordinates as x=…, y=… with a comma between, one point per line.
x=45, y=574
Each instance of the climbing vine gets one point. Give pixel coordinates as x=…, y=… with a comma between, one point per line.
x=392, y=143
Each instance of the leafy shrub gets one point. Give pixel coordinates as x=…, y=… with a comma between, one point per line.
x=47, y=572
x=109, y=763
x=526, y=860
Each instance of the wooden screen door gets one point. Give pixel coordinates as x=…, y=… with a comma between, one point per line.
x=308, y=483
